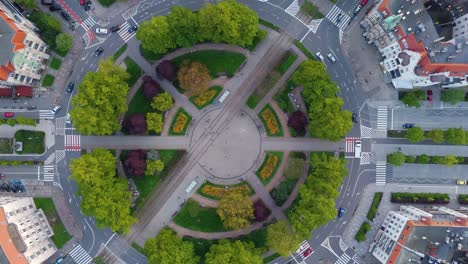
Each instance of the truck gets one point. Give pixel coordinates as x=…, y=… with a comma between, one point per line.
x=357, y=149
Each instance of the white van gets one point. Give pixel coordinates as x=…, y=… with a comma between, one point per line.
x=225, y=94
x=357, y=149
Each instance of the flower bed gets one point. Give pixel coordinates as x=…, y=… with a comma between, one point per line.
x=216, y=192
x=180, y=123
x=270, y=122
x=269, y=166
x=206, y=98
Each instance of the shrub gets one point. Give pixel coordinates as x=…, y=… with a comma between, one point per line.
x=261, y=211
x=374, y=206
x=463, y=198
x=452, y=96
x=423, y=198
x=361, y=234
x=410, y=159
x=281, y=192
x=423, y=159
x=396, y=158
x=414, y=134
x=48, y=80
x=455, y=136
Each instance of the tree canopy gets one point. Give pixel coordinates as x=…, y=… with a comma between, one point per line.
x=154, y=166
x=295, y=168
x=100, y=100
x=415, y=134
x=184, y=26
x=162, y=102
x=436, y=135
x=455, y=136
x=236, y=252
x=63, y=42
x=194, y=77
x=396, y=158
x=154, y=122
x=235, y=209
x=155, y=35
x=281, y=238
x=104, y=196
x=168, y=248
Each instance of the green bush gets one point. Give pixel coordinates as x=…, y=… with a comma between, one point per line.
x=455, y=136
x=361, y=234
x=452, y=96
x=396, y=158
x=374, y=206
x=463, y=198
x=410, y=159
x=413, y=98
x=414, y=134
x=281, y=192
x=424, y=159
x=48, y=80
x=423, y=198
x=55, y=63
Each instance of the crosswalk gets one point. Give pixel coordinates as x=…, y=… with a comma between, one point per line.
x=123, y=32
x=293, y=8
x=314, y=25
x=381, y=173
x=60, y=124
x=382, y=116
x=350, y=143
x=366, y=158
x=72, y=143
x=46, y=114
x=49, y=172
x=88, y=23
x=333, y=17
x=344, y=259
x=79, y=255
x=59, y=155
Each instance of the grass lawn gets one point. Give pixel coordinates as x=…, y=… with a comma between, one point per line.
x=106, y=3
x=119, y=52
x=6, y=145
x=134, y=70
x=304, y=50
x=286, y=62
x=48, y=80
x=61, y=235
x=268, y=24
x=270, y=171
x=33, y=141
x=271, y=123
x=217, y=61
x=220, y=189
x=311, y=10
x=195, y=217
x=253, y=100
x=139, y=104
x=282, y=98
x=179, y=127
x=147, y=184
x=207, y=98
x=55, y=63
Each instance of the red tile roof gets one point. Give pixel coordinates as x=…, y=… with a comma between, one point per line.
x=4, y=91
x=24, y=91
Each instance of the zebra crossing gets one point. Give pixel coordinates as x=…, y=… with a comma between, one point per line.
x=60, y=124
x=333, y=17
x=72, y=143
x=293, y=8
x=366, y=132
x=46, y=114
x=382, y=116
x=49, y=172
x=88, y=23
x=79, y=255
x=123, y=32
x=381, y=173
x=344, y=259
x=366, y=158
x=59, y=155
x=314, y=25
x=349, y=147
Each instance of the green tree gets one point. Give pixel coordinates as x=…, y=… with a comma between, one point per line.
x=194, y=77
x=436, y=135
x=396, y=158
x=155, y=35
x=414, y=134
x=452, y=96
x=168, y=248
x=328, y=121
x=154, y=122
x=410, y=159
x=184, y=26
x=235, y=209
x=162, y=102
x=225, y=252
x=448, y=160
x=11, y=122
x=63, y=42
x=104, y=196
x=281, y=238
x=227, y=21
x=413, y=98
x=29, y=4
x=295, y=168
x=317, y=83
x=101, y=99
x=153, y=167
x=455, y=136
x=423, y=159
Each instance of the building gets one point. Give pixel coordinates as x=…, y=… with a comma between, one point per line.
x=25, y=232
x=413, y=235
x=23, y=56
x=416, y=52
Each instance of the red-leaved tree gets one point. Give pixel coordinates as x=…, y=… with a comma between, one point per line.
x=261, y=211
x=298, y=121
x=135, y=124
x=150, y=87
x=167, y=69
x=135, y=164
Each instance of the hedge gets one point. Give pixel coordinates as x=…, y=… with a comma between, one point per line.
x=420, y=198
x=463, y=198
x=361, y=234
x=374, y=206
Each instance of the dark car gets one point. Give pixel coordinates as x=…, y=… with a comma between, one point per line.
x=308, y=252
x=339, y=17
x=355, y=118
x=54, y=7
x=65, y=16
x=429, y=95
x=87, y=5
x=47, y=2
x=32, y=107
x=115, y=28
x=82, y=2
x=341, y=212
x=70, y=88
x=133, y=29
x=408, y=125
x=98, y=51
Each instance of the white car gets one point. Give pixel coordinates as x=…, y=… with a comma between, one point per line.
x=68, y=119
x=101, y=30
x=319, y=56
x=56, y=109
x=331, y=57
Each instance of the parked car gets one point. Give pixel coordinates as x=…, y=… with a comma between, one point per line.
x=70, y=88
x=55, y=7
x=461, y=182
x=408, y=125
x=65, y=16
x=32, y=107
x=68, y=118
x=101, y=30
x=355, y=118
x=308, y=252
x=82, y=2
x=47, y=2
x=341, y=212
x=331, y=57
x=133, y=29
x=56, y=109
x=8, y=114
x=98, y=51
x=364, y=2
x=59, y=260
x=87, y=5
x=2, y=175
x=115, y=28
x=357, y=9
x=319, y=56
x=429, y=95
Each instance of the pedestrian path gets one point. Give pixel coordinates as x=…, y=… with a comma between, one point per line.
x=88, y=23
x=59, y=155
x=49, y=173
x=382, y=116
x=366, y=132
x=338, y=17
x=79, y=255
x=293, y=8
x=46, y=114
x=73, y=143
x=350, y=141
x=366, y=158
x=314, y=25
x=123, y=32
x=381, y=173
x=344, y=259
